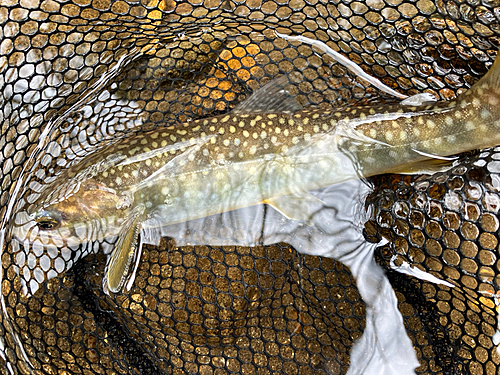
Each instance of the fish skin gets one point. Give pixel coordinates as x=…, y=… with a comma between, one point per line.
x=233, y=161
x=214, y=165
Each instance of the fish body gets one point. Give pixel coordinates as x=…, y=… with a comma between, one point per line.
x=274, y=154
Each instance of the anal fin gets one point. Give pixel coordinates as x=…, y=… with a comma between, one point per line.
x=123, y=261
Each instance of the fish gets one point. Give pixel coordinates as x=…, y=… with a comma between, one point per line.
x=268, y=150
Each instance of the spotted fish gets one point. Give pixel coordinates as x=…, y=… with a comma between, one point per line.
x=267, y=150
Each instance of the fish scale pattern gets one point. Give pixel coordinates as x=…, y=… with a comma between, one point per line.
x=75, y=75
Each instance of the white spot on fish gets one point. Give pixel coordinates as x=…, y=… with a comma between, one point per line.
x=484, y=114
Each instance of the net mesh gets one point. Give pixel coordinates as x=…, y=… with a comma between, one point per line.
x=75, y=75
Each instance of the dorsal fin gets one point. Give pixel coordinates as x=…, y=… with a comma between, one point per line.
x=270, y=98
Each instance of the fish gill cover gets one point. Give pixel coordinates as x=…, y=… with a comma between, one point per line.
x=78, y=76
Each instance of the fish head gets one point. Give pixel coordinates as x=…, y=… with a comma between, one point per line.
x=50, y=235
x=93, y=213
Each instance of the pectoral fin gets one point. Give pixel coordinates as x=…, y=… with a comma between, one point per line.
x=123, y=261
x=300, y=207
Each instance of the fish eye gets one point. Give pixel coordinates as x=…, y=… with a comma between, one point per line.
x=47, y=220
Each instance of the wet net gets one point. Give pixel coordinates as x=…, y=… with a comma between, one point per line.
x=75, y=75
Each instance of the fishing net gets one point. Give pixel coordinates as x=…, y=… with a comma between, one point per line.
x=75, y=75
